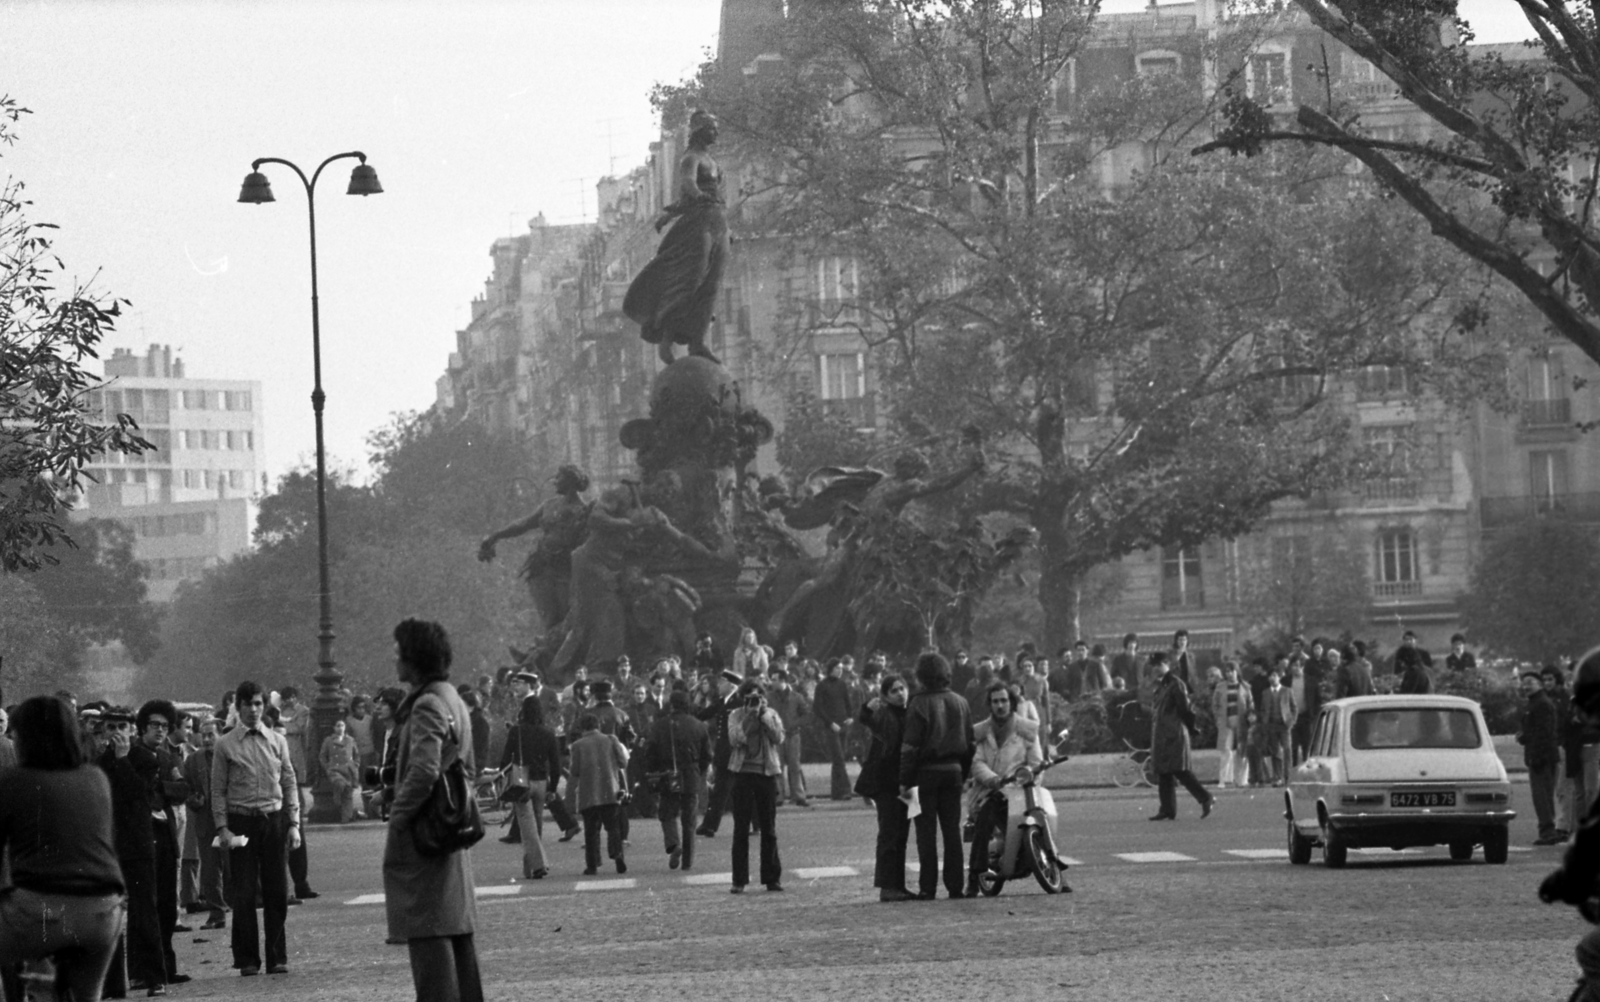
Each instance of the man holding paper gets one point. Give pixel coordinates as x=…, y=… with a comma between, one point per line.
x=256, y=806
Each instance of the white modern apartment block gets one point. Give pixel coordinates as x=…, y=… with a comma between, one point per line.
x=188, y=500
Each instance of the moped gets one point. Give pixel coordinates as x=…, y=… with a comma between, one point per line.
x=1026, y=843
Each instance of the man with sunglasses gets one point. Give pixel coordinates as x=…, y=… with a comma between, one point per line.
x=164, y=781
x=132, y=770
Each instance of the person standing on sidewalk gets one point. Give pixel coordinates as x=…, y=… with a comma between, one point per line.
x=254, y=795
x=1542, y=752
x=792, y=708
x=832, y=706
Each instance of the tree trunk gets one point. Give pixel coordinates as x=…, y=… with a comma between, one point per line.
x=1060, y=597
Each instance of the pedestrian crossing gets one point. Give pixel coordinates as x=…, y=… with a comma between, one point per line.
x=592, y=885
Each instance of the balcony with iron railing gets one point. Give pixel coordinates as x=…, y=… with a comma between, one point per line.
x=1397, y=589
x=1500, y=512
x=1553, y=413
x=1392, y=489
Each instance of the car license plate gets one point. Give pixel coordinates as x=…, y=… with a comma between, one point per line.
x=1435, y=798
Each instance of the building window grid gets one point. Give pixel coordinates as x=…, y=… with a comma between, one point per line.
x=1399, y=572
x=1182, y=584
x=1268, y=78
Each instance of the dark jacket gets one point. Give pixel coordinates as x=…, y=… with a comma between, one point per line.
x=1408, y=657
x=1465, y=662
x=715, y=716
x=680, y=738
x=880, y=773
x=1169, y=726
x=1416, y=680
x=131, y=777
x=480, y=734
x=539, y=752
x=938, y=732
x=613, y=721
x=1540, y=744
x=1355, y=679
x=832, y=701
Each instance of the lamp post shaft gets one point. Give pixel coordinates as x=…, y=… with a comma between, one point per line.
x=328, y=705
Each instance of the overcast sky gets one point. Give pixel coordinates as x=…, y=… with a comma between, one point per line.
x=477, y=115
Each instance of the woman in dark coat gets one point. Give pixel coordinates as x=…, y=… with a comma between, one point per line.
x=885, y=717
x=1169, y=742
x=673, y=297
x=429, y=899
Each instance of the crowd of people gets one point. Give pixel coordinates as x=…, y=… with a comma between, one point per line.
x=190, y=810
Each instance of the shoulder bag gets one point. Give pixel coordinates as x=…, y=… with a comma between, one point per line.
x=668, y=784
x=449, y=821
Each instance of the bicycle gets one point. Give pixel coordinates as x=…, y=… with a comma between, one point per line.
x=490, y=791
x=1134, y=768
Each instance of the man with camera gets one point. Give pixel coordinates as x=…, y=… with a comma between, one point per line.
x=755, y=735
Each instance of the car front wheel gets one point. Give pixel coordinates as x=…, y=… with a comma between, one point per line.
x=1299, y=846
x=1496, y=845
x=1334, y=850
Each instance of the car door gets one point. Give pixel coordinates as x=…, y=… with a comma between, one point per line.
x=1314, y=776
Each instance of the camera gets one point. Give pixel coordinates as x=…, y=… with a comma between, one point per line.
x=753, y=701
x=374, y=775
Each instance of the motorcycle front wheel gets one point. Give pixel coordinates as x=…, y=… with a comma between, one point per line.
x=1045, y=868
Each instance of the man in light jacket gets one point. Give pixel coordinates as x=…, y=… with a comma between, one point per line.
x=1002, y=743
x=755, y=737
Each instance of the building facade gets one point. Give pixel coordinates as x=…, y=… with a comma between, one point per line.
x=549, y=356
x=187, y=500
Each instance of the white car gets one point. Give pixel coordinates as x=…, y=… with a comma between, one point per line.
x=1396, y=772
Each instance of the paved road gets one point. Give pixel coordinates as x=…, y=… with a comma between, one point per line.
x=1187, y=909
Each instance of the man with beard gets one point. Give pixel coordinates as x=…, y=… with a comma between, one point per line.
x=1001, y=744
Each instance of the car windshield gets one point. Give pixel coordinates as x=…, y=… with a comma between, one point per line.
x=1414, y=728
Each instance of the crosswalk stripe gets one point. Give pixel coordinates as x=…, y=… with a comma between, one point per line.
x=1155, y=857
x=620, y=884
x=496, y=890
x=367, y=899
x=1259, y=853
x=697, y=879
x=819, y=872
x=1386, y=851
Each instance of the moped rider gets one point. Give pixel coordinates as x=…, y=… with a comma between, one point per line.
x=1575, y=883
x=1004, y=742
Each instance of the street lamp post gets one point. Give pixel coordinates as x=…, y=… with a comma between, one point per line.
x=328, y=706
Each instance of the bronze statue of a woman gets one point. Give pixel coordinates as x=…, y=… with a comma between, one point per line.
x=673, y=297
